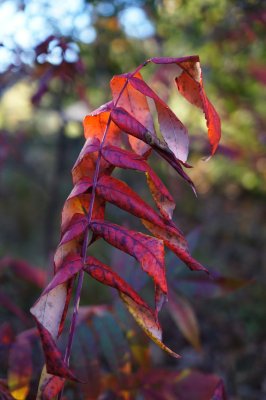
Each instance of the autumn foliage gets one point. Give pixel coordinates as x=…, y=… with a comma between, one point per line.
x=121, y=134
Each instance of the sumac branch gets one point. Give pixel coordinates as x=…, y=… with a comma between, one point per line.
x=126, y=121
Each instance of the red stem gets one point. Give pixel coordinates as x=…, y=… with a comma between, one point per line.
x=86, y=237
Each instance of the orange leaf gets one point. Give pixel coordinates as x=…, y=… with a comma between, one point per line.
x=136, y=104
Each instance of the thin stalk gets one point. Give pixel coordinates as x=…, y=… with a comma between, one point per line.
x=86, y=237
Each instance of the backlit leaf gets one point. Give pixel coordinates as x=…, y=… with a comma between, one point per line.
x=136, y=104
x=172, y=129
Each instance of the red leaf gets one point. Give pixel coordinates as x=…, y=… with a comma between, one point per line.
x=194, y=92
x=146, y=249
x=80, y=187
x=73, y=205
x=104, y=274
x=130, y=125
x=190, y=85
x=125, y=159
x=178, y=167
x=120, y=194
x=170, y=234
x=55, y=364
x=172, y=129
x=71, y=266
x=91, y=145
x=95, y=126
x=135, y=103
x=78, y=203
x=76, y=227
x=177, y=243
x=85, y=164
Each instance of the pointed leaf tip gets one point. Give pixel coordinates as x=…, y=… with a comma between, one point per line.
x=148, y=322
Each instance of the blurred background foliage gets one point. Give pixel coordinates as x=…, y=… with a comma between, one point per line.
x=56, y=60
